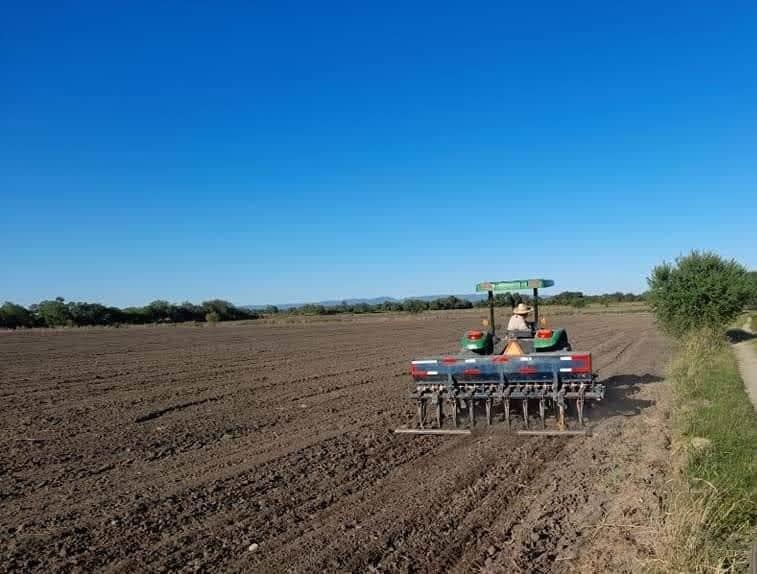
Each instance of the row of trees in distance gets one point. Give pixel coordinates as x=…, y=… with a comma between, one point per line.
x=59, y=313
x=572, y=298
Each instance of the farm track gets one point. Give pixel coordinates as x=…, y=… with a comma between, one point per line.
x=163, y=449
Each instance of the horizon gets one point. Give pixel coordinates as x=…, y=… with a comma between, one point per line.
x=306, y=153
x=473, y=296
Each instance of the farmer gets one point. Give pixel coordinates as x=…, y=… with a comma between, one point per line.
x=518, y=320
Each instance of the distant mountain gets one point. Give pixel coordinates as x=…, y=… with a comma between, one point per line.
x=371, y=301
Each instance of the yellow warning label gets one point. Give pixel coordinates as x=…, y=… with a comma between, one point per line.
x=513, y=348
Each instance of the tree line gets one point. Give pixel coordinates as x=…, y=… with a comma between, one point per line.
x=60, y=313
x=509, y=300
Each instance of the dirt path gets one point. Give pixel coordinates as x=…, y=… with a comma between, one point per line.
x=746, y=355
x=182, y=448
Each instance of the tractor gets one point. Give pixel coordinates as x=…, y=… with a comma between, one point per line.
x=535, y=367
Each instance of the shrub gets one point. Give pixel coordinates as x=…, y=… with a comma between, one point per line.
x=212, y=317
x=51, y=313
x=414, y=305
x=578, y=303
x=701, y=290
x=13, y=316
x=753, y=288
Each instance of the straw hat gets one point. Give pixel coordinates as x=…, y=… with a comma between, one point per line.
x=522, y=309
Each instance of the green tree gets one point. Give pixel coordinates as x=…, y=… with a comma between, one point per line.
x=504, y=300
x=52, y=313
x=159, y=310
x=13, y=316
x=753, y=288
x=699, y=290
x=414, y=305
x=186, y=312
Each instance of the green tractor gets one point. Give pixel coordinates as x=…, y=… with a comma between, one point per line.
x=533, y=340
x=534, y=369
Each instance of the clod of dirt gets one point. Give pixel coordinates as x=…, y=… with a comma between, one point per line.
x=254, y=547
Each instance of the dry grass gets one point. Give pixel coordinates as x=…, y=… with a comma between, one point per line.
x=691, y=538
x=711, y=509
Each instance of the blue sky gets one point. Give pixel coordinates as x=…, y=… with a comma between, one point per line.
x=291, y=151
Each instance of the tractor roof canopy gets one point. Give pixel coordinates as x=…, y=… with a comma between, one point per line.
x=514, y=285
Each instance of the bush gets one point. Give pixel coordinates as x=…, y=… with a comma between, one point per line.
x=13, y=316
x=753, y=288
x=701, y=290
x=212, y=317
x=414, y=305
x=53, y=313
x=578, y=303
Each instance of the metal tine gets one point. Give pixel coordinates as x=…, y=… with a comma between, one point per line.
x=421, y=412
x=525, y=412
x=561, y=415
x=506, y=402
x=453, y=403
x=438, y=412
x=470, y=411
x=542, y=413
x=488, y=411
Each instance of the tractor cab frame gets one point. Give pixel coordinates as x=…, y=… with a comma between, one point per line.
x=533, y=340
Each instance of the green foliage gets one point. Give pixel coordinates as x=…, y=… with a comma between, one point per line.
x=51, y=313
x=450, y=302
x=159, y=311
x=571, y=297
x=226, y=311
x=414, y=305
x=701, y=290
x=186, y=312
x=212, y=317
x=93, y=314
x=57, y=312
x=13, y=316
x=504, y=300
x=752, y=277
x=579, y=302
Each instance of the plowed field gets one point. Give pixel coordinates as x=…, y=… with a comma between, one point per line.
x=268, y=447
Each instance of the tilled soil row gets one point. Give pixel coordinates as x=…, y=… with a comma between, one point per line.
x=269, y=448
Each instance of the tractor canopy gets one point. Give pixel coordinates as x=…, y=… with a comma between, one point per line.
x=513, y=285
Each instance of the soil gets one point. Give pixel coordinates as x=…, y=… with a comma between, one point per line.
x=269, y=448
x=746, y=355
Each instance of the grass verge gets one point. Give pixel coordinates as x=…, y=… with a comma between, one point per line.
x=712, y=512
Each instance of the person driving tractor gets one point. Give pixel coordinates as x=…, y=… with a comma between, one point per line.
x=518, y=320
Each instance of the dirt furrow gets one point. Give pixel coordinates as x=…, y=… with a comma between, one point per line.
x=178, y=448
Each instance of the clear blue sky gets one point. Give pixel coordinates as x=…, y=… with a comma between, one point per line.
x=298, y=151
